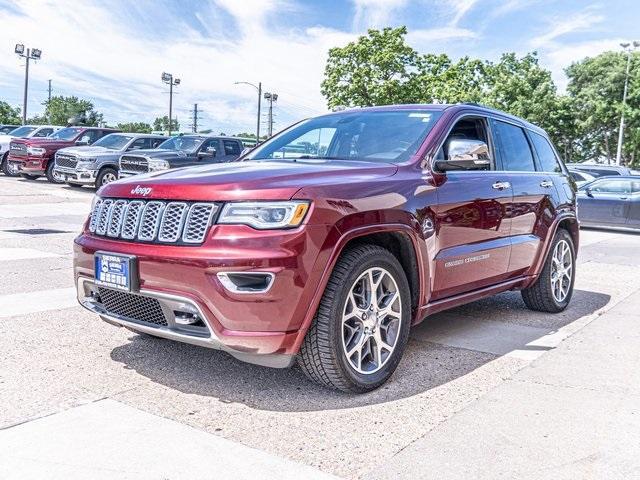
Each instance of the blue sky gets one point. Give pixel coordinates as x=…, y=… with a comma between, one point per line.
x=112, y=52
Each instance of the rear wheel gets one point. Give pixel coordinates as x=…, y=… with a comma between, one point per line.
x=361, y=327
x=106, y=175
x=554, y=288
x=74, y=185
x=52, y=175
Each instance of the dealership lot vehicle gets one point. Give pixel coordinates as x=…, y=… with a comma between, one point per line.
x=32, y=158
x=597, y=170
x=5, y=129
x=26, y=131
x=612, y=202
x=331, y=256
x=97, y=165
x=181, y=151
x=581, y=177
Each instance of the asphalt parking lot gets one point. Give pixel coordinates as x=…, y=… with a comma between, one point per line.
x=63, y=370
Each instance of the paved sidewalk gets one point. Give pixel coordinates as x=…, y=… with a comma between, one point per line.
x=573, y=413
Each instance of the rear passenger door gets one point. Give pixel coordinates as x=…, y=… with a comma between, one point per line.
x=231, y=150
x=534, y=195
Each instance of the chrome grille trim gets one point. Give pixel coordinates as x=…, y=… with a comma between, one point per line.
x=172, y=222
x=151, y=217
x=198, y=221
x=66, y=160
x=155, y=221
x=132, y=219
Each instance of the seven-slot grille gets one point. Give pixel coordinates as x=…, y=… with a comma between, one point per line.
x=134, y=164
x=66, y=160
x=152, y=220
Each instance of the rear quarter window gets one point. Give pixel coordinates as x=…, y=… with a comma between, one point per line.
x=547, y=156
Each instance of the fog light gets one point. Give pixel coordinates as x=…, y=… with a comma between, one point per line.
x=186, y=318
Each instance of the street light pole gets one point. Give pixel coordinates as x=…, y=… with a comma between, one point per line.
x=168, y=79
x=29, y=54
x=259, y=89
x=627, y=47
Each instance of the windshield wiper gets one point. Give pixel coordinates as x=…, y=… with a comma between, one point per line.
x=318, y=157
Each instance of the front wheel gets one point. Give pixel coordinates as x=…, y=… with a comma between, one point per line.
x=29, y=177
x=554, y=288
x=361, y=328
x=106, y=175
x=9, y=169
x=52, y=175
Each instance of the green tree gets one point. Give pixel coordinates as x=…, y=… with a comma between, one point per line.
x=162, y=124
x=9, y=115
x=64, y=110
x=596, y=85
x=135, y=127
x=377, y=69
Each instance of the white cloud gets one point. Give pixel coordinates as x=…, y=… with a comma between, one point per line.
x=460, y=9
x=375, y=13
x=89, y=52
x=419, y=37
x=578, y=22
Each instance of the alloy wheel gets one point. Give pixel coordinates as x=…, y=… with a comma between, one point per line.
x=561, y=271
x=108, y=178
x=371, y=320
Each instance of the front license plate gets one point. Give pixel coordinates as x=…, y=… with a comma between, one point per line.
x=116, y=271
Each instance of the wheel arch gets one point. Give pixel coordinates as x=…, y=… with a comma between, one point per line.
x=568, y=222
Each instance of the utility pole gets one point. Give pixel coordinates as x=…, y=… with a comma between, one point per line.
x=194, y=125
x=259, y=89
x=29, y=54
x=270, y=97
x=626, y=46
x=168, y=79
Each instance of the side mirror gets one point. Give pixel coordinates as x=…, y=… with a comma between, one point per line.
x=82, y=143
x=208, y=152
x=588, y=192
x=465, y=154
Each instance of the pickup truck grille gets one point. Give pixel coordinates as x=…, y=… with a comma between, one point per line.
x=66, y=160
x=19, y=149
x=152, y=220
x=134, y=164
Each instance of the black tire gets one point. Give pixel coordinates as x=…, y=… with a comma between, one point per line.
x=539, y=296
x=104, y=174
x=74, y=185
x=29, y=177
x=322, y=357
x=50, y=175
x=5, y=166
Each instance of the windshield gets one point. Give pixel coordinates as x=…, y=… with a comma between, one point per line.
x=22, y=132
x=113, y=141
x=66, y=134
x=186, y=144
x=384, y=136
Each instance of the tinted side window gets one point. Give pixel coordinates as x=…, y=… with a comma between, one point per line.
x=44, y=132
x=513, y=147
x=139, y=144
x=156, y=141
x=611, y=186
x=231, y=147
x=546, y=155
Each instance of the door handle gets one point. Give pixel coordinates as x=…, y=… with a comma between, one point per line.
x=546, y=183
x=624, y=198
x=501, y=185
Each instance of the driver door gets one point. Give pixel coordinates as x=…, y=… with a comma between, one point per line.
x=208, y=152
x=473, y=229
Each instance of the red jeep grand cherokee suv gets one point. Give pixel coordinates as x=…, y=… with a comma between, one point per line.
x=34, y=157
x=330, y=240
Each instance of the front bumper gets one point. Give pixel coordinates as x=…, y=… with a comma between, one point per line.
x=258, y=327
x=29, y=164
x=125, y=174
x=79, y=177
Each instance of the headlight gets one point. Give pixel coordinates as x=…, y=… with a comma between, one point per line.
x=85, y=163
x=265, y=215
x=155, y=165
x=35, y=151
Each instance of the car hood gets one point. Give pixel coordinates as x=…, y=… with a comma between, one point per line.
x=43, y=142
x=251, y=180
x=156, y=153
x=88, y=151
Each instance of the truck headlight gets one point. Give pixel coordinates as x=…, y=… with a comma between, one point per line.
x=265, y=215
x=156, y=165
x=36, y=151
x=85, y=163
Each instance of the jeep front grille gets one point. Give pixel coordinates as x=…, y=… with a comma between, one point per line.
x=134, y=164
x=152, y=220
x=66, y=160
x=132, y=306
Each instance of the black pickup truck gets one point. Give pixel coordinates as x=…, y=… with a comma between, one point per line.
x=181, y=151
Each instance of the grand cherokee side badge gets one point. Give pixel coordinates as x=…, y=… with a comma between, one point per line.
x=144, y=191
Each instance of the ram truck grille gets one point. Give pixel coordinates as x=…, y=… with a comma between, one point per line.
x=133, y=164
x=19, y=149
x=66, y=160
x=184, y=223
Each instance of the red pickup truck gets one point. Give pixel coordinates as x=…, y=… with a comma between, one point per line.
x=33, y=157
